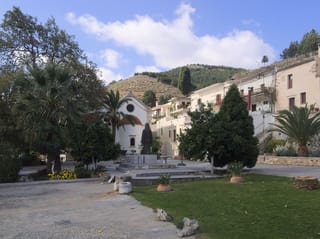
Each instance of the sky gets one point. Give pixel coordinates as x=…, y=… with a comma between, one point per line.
x=127, y=36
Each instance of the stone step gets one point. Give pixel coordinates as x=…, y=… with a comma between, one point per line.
x=153, y=180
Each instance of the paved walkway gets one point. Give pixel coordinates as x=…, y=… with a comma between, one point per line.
x=81, y=210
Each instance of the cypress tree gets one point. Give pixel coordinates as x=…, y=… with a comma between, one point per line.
x=184, y=81
x=233, y=132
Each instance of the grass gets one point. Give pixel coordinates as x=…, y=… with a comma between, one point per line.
x=262, y=207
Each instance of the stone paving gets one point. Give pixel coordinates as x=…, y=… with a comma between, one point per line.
x=81, y=210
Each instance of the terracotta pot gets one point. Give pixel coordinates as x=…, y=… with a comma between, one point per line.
x=236, y=179
x=163, y=188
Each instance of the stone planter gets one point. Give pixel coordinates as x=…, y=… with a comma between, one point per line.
x=306, y=182
x=236, y=179
x=116, y=186
x=163, y=188
x=125, y=187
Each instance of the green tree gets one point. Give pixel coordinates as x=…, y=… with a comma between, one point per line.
x=163, y=99
x=47, y=103
x=232, y=134
x=308, y=43
x=300, y=125
x=24, y=42
x=184, y=81
x=149, y=98
x=292, y=51
x=113, y=115
x=91, y=140
x=196, y=142
x=265, y=59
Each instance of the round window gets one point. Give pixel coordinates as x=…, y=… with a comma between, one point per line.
x=130, y=108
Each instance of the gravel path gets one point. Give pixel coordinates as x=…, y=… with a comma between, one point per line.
x=76, y=210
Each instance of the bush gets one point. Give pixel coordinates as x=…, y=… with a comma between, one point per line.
x=164, y=179
x=65, y=174
x=315, y=153
x=100, y=169
x=10, y=165
x=285, y=151
x=235, y=168
x=82, y=172
x=271, y=145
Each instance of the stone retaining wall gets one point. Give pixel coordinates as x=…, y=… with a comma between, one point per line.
x=282, y=160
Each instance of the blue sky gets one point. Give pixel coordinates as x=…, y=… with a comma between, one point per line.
x=128, y=36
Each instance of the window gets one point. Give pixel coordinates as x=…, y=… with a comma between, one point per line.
x=174, y=135
x=291, y=102
x=132, y=142
x=254, y=107
x=199, y=101
x=161, y=132
x=241, y=92
x=290, y=84
x=265, y=102
x=169, y=133
x=303, y=98
x=130, y=107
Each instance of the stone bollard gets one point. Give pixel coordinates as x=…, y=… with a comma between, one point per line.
x=163, y=216
x=116, y=186
x=125, y=187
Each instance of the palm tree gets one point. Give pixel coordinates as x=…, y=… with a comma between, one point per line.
x=114, y=116
x=300, y=125
x=47, y=103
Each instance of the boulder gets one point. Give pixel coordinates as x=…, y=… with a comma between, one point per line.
x=190, y=227
x=163, y=216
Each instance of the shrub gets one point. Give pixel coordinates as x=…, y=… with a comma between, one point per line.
x=315, y=153
x=100, y=169
x=164, y=179
x=65, y=174
x=82, y=172
x=10, y=165
x=235, y=168
x=280, y=150
x=271, y=145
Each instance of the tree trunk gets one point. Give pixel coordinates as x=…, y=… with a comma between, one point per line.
x=53, y=157
x=57, y=163
x=303, y=150
x=114, y=133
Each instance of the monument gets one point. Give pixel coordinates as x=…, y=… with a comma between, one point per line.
x=146, y=140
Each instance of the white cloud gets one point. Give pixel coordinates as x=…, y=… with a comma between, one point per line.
x=173, y=44
x=140, y=69
x=111, y=58
x=107, y=76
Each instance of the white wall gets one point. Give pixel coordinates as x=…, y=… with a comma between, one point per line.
x=124, y=134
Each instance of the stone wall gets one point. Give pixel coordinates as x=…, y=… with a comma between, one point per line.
x=281, y=160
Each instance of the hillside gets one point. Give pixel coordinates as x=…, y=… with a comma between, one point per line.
x=201, y=75
x=138, y=84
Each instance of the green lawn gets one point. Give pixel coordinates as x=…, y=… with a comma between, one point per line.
x=262, y=207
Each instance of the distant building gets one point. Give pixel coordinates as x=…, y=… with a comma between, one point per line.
x=168, y=121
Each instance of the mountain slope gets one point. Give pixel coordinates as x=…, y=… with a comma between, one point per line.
x=201, y=75
x=138, y=84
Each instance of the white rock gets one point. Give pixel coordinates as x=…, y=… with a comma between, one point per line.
x=190, y=227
